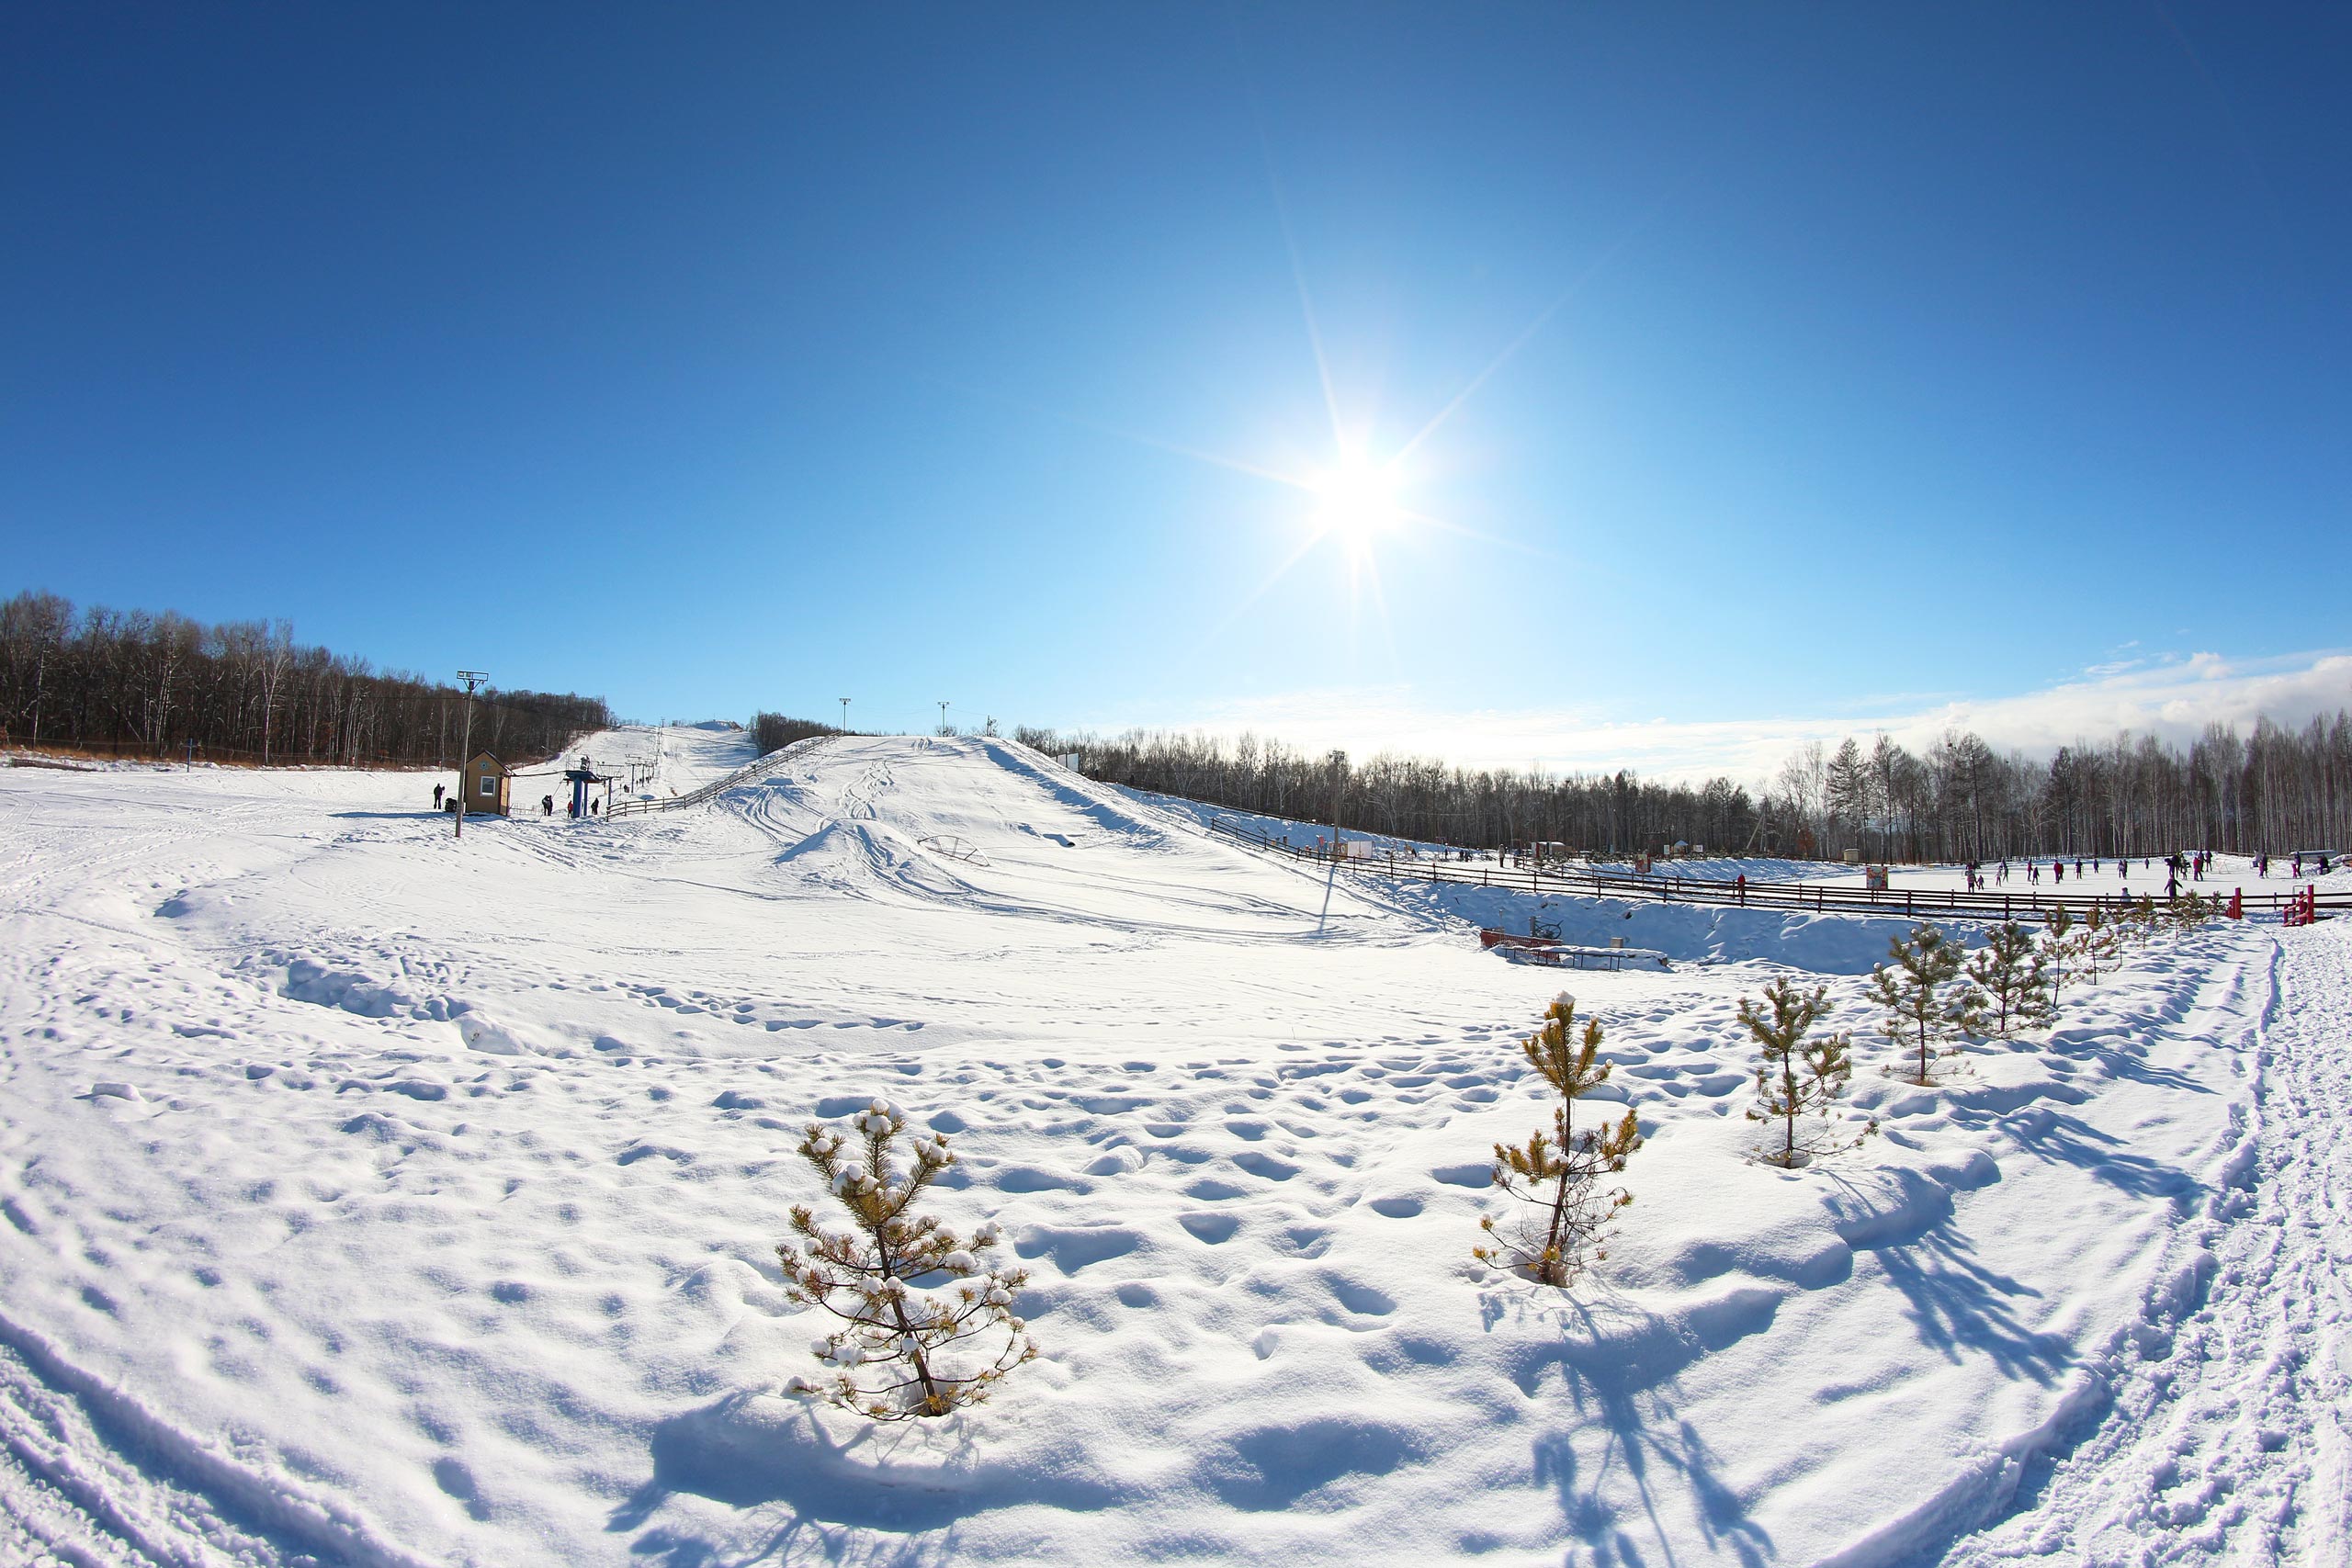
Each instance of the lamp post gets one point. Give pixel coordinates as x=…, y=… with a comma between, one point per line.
x=466, y=744
x=1338, y=795
x=942, y=716
x=845, y=716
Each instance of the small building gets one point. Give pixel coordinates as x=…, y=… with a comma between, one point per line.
x=485, y=785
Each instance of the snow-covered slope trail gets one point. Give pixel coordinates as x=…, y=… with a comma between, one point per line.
x=370, y=1196
x=2226, y=1440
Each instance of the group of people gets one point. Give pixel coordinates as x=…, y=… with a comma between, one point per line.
x=2179, y=867
x=445, y=799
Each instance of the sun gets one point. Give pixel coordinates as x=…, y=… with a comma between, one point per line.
x=1357, y=499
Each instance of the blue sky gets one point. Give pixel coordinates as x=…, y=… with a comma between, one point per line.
x=1824, y=366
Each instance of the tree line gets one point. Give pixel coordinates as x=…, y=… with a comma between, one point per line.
x=2276, y=788
x=771, y=731
x=1416, y=798
x=139, y=683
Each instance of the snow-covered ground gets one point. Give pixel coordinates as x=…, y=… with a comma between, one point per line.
x=377, y=1197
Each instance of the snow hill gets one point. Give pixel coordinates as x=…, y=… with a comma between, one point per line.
x=374, y=1197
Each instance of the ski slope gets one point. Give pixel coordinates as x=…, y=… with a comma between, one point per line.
x=377, y=1197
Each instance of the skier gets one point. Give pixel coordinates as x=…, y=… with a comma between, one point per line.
x=546, y=806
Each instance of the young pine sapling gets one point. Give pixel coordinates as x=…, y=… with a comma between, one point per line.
x=904, y=1349
x=2098, y=945
x=1929, y=1006
x=1800, y=1076
x=2014, y=981
x=1559, y=1176
x=2057, y=949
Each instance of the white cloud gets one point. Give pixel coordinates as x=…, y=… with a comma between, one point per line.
x=2173, y=698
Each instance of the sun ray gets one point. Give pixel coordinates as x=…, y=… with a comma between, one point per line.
x=1265, y=584
x=1527, y=334
x=1290, y=249
x=1464, y=531
x=1100, y=427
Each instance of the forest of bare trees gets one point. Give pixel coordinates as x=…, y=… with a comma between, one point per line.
x=131, y=682
x=772, y=730
x=2275, y=789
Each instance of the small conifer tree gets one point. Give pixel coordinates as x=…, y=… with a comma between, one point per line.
x=2098, y=946
x=2010, y=972
x=1929, y=1004
x=1799, y=1076
x=2057, y=950
x=1559, y=1176
x=903, y=1349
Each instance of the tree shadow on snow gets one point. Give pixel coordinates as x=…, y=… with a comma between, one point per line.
x=2125, y=1057
x=2058, y=1138
x=1621, y=1365
x=1959, y=1306
x=754, y=1450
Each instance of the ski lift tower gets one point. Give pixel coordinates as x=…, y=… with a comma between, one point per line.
x=580, y=778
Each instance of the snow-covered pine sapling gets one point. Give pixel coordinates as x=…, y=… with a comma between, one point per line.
x=1800, y=1076
x=2057, y=949
x=1559, y=1176
x=2016, y=982
x=2097, y=945
x=1929, y=1006
x=904, y=1349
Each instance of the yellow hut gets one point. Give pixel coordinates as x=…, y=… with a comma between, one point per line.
x=486, y=782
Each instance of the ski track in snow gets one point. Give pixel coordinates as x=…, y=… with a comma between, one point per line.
x=2224, y=1438
x=367, y=1199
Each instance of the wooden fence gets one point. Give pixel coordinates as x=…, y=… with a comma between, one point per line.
x=2029, y=905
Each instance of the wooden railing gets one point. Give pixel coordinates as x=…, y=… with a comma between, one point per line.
x=2032, y=904
x=784, y=756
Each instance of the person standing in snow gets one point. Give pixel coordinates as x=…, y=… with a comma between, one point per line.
x=546, y=806
x=438, y=791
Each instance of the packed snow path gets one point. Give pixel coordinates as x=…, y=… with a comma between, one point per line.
x=372, y=1197
x=2225, y=1442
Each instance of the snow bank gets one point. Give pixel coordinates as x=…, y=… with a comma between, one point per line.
x=395, y=1196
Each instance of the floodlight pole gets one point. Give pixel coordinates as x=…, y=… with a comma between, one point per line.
x=466, y=744
x=1338, y=792
x=943, y=716
x=845, y=716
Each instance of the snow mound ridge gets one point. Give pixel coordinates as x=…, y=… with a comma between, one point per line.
x=988, y=825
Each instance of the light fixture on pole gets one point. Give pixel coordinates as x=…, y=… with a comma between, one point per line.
x=466, y=746
x=1338, y=795
x=942, y=717
x=845, y=716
